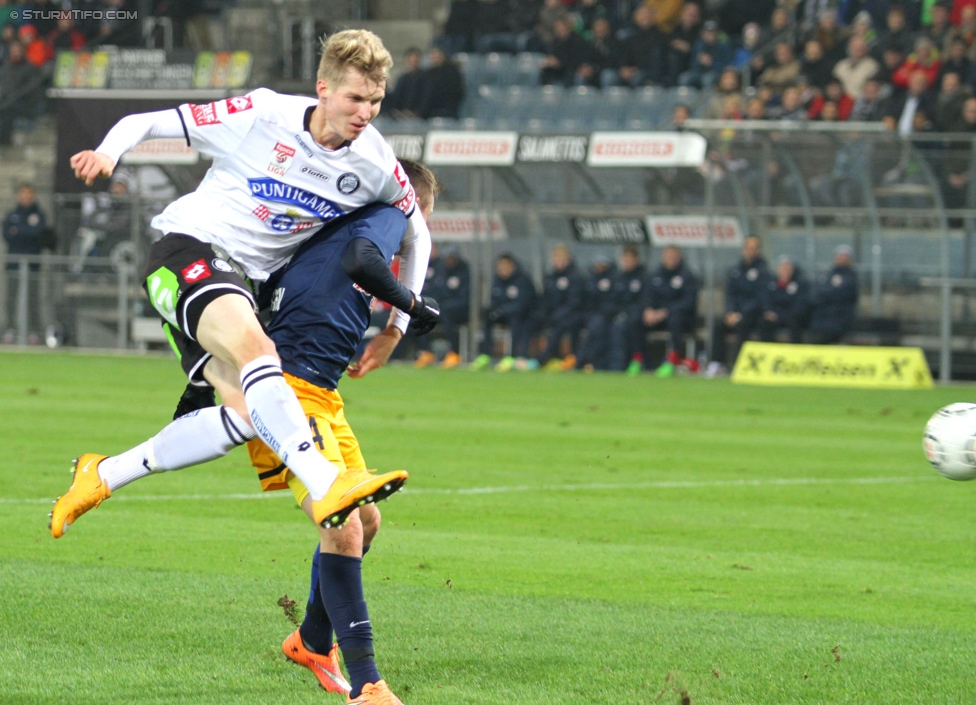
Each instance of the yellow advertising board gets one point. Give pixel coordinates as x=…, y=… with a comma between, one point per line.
x=832, y=366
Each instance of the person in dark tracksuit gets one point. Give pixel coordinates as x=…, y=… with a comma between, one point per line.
x=744, y=294
x=448, y=281
x=786, y=303
x=512, y=304
x=834, y=301
x=561, y=306
x=598, y=312
x=627, y=330
x=671, y=304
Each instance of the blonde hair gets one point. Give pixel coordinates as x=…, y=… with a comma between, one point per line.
x=353, y=48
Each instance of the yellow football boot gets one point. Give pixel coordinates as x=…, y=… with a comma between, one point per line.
x=352, y=489
x=87, y=491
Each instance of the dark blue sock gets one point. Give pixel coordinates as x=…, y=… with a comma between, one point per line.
x=316, y=629
x=341, y=585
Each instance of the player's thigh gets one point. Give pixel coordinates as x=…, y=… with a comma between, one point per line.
x=229, y=329
x=346, y=441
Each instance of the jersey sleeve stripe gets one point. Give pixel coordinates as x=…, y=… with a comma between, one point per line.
x=186, y=133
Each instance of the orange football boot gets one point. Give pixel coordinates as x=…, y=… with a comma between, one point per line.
x=325, y=668
x=352, y=489
x=87, y=491
x=377, y=693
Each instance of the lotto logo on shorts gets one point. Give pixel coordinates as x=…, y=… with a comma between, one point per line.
x=196, y=271
x=205, y=114
x=238, y=103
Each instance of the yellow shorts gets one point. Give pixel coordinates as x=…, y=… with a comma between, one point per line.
x=330, y=431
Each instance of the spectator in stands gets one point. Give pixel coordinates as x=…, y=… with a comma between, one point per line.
x=25, y=232
x=643, y=61
x=8, y=35
x=567, y=53
x=45, y=15
x=891, y=61
x=679, y=116
x=854, y=71
x=897, y=33
x=863, y=27
x=36, y=50
x=22, y=83
x=791, y=105
x=870, y=106
x=512, y=304
x=744, y=291
x=551, y=11
x=589, y=11
x=449, y=283
x=670, y=304
x=830, y=36
x=443, y=87
x=956, y=168
x=784, y=72
x=786, y=303
x=561, y=309
x=833, y=93
x=493, y=29
x=966, y=31
x=681, y=42
x=815, y=68
x=667, y=12
x=407, y=96
x=925, y=58
x=459, y=28
x=756, y=109
x=948, y=102
x=626, y=329
x=710, y=55
x=65, y=37
x=834, y=300
x=958, y=13
x=956, y=61
x=728, y=85
x=598, y=311
x=900, y=114
x=604, y=58
x=939, y=27
x=779, y=30
x=744, y=56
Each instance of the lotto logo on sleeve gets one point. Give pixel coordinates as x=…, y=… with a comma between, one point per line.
x=205, y=114
x=407, y=202
x=400, y=175
x=195, y=272
x=238, y=103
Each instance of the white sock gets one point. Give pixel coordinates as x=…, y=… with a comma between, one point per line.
x=280, y=422
x=193, y=439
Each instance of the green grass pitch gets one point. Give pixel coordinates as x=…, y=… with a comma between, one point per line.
x=564, y=539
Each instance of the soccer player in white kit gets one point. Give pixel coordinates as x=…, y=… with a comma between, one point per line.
x=283, y=166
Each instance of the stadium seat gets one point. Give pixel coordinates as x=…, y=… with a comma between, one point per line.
x=443, y=123
x=581, y=104
x=526, y=69
x=470, y=65
x=496, y=70
x=547, y=103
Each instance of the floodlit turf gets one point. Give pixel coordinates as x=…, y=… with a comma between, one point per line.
x=564, y=539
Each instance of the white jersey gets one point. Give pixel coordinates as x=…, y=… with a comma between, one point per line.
x=271, y=186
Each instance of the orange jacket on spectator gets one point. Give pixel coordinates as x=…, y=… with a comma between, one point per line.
x=669, y=12
x=36, y=50
x=911, y=65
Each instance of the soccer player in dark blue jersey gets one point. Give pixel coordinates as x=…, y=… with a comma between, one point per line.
x=320, y=309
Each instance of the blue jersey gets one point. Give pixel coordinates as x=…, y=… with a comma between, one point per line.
x=318, y=315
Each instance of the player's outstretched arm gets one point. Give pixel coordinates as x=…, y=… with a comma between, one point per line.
x=126, y=134
x=377, y=352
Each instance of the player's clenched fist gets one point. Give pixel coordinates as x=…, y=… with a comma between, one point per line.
x=89, y=165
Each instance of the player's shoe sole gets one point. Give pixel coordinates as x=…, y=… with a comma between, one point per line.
x=377, y=693
x=87, y=491
x=325, y=668
x=352, y=489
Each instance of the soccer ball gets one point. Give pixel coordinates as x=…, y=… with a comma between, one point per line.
x=950, y=441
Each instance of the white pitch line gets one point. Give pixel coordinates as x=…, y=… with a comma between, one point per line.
x=661, y=485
